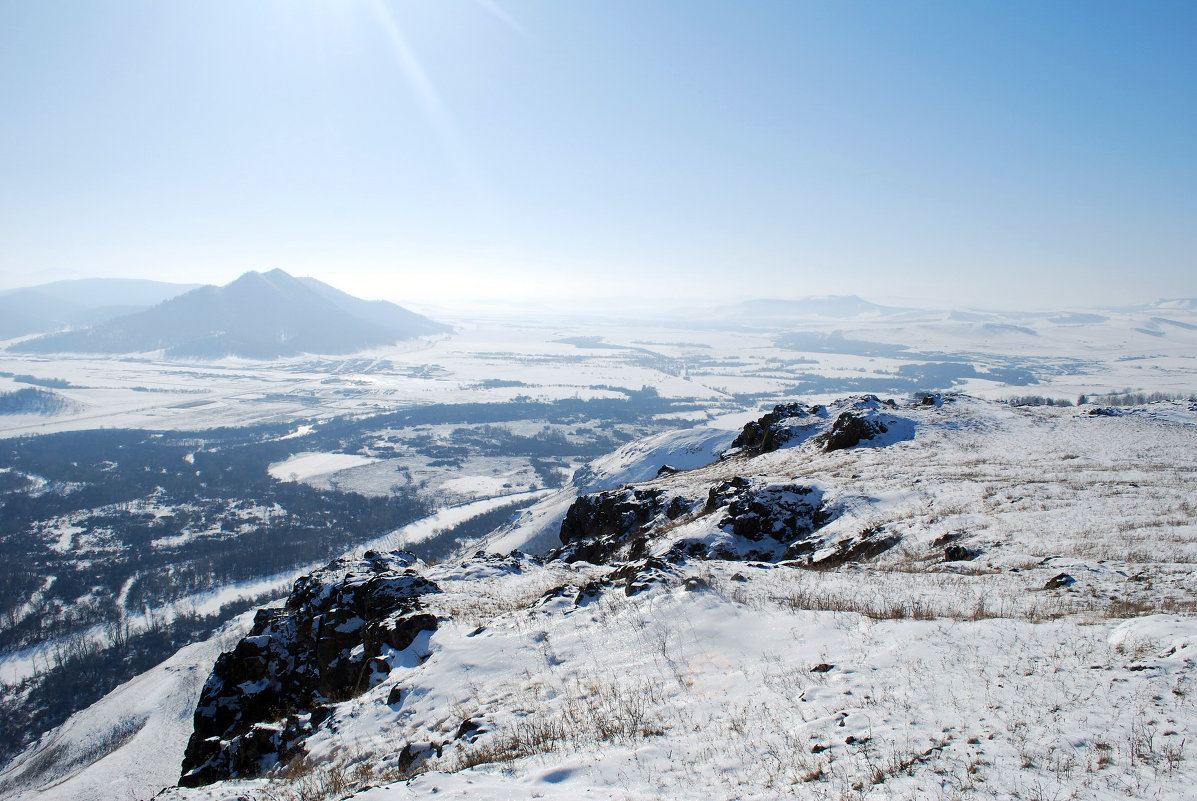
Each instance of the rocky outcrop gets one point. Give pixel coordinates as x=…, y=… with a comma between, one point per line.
x=791, y=424
x=756, y=520
x=848, y=430
x=773, y=430
x=612, y=525
x=768, y=521
x=341, y=631
x=868, y=544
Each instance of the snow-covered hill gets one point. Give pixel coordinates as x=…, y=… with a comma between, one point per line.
x=536, y=529
x=948, y=599
x=127, y=745
x=258, y=316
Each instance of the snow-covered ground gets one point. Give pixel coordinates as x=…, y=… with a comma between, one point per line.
x=443, y=519
x=703, y=355
x=126, y=745
x=303, y=466
x=905, y=676
x=536, y=528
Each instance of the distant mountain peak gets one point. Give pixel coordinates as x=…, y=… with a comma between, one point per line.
x=837, y=306
x=1189, y=304
x=78, y=302
x=262, y=315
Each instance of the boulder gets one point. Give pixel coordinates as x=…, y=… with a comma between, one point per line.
x=332, y=640
x=848, y=430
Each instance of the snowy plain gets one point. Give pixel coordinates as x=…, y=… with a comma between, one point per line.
x=723, y=358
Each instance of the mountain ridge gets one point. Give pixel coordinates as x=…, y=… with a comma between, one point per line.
x=258, y=315
x=78, y=302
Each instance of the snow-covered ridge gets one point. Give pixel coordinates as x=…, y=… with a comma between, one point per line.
x=737, y=630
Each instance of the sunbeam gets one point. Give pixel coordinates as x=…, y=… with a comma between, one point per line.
x=426, y=93
x=501, y=14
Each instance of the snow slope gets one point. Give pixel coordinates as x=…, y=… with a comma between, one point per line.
x=536, y=529
x=128, y=745
x=1052, y=656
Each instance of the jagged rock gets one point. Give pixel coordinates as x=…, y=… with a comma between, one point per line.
x=781, y=511
x=610, y=525
x=771, y=431
x=335, y=638
x=758, y=521
x=470, y=730
x=639, y=576
x=945, y=539
x=414, y=753
x=848, y=430
x=577, y=596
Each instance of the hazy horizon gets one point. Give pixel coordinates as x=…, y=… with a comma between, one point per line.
x=519, y=152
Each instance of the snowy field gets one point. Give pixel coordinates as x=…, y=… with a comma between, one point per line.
x=719, y=361
x=303, y=466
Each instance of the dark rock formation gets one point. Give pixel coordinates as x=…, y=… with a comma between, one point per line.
x=758, y=521
x=869, y=544
x=848, y=430
x=337, y=636
x=771, y=431
x=781, y=517
x=610, y=525
x=636, y=577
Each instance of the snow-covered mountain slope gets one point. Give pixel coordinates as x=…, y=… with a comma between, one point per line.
x=536, y=529
x=130, y=743
x=955, y=599
x=1019, y=622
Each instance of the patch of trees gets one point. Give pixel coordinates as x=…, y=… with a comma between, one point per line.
x=33, y=401
x=448, y=541
x=1038, y=400
x=49, y=383
x=1130, y=398
x=80, y=671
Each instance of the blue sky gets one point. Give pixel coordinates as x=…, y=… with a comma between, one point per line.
x=451, y=151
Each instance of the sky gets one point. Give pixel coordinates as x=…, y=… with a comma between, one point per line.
x=444, y=152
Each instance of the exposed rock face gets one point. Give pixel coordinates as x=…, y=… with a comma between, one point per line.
x=1062, y=581
x=790, y=424
x=773, y=430
x=610, y=525
x=848, y=430
x=959, y=553
x=757, y=520
x=338, y=635
x=780, y=517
